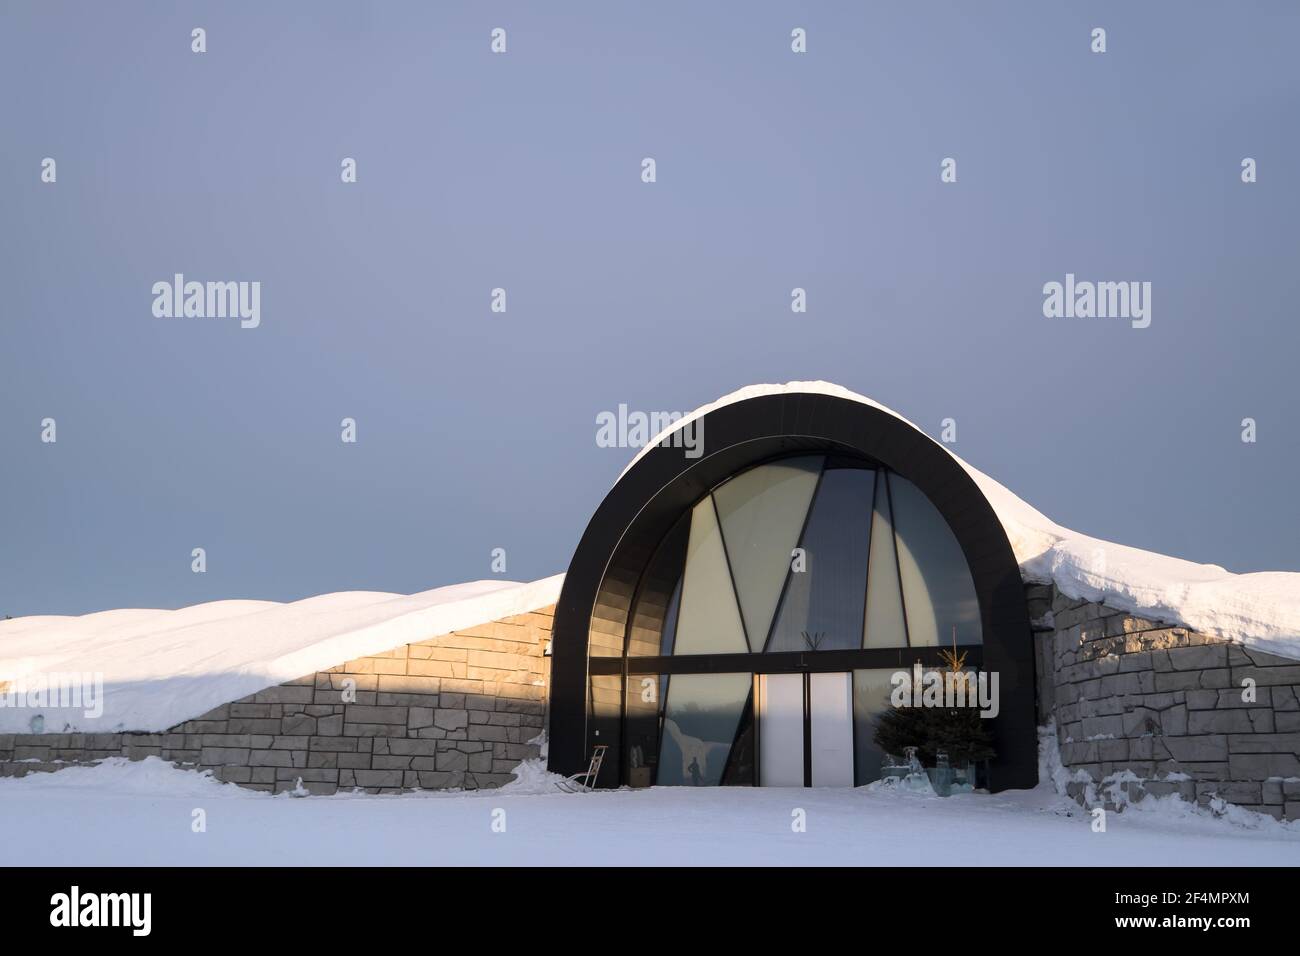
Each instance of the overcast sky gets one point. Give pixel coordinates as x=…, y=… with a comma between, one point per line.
x=775, y=170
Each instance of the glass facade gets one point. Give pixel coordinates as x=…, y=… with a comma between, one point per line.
x=885, y=624
x=821, y=608
x=704, y=717
x=871, y=689
x=653, y=624
x=937, y=587
x=762, y=512
x=782, y=563
x=644, y=709
x=706, y=625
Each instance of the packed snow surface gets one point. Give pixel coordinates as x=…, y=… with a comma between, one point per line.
x=163, y=667
x=122, y=813
x=1261, y=609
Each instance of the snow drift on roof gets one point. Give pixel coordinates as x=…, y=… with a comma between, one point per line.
x=1260, y=609
x=163, y=667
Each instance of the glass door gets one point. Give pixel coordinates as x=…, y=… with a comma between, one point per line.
x=805, y=730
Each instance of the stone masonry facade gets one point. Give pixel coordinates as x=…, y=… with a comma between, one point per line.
x=456, y=710
x=1169, y=705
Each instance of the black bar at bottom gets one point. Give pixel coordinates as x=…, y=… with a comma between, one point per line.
x=1146, y=904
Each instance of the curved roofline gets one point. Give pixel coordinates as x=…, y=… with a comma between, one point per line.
x=1259, y=609
x=662, y=483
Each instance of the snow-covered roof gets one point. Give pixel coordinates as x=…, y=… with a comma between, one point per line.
x=1261, y=609
x=163, y=667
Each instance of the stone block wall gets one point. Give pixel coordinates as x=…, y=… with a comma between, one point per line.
x=1168, y=705
x=456, y=710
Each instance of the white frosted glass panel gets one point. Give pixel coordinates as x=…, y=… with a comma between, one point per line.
x=780, y=730
x=885, y=626
x=937, y=587
x=709, y=621
x=831, y=713
x=762, y=512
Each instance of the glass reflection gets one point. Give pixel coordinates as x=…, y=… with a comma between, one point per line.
x=701, y=719
x=822, y=606
x=871, y=689
x=937, y=587
x=643, y=705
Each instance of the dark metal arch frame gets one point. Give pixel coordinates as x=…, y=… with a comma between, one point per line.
x=632, y=520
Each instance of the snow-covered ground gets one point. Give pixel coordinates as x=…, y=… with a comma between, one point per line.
x=123, y=813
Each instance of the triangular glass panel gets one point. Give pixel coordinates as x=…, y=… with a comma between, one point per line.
x=822, y=605
x=709, y=620
x=762, y=512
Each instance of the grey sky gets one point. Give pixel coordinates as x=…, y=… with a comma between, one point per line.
x=775, y=170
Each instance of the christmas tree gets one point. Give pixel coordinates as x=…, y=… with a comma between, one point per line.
x=960, y=732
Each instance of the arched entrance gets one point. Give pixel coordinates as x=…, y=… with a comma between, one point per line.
x=735, y=618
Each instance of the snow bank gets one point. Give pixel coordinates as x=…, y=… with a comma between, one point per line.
x=140, y=814
x=531, y=776
x=119, y=776
x=160, y=668
x=1260, y=610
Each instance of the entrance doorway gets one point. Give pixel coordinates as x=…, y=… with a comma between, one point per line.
x=805, y=730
